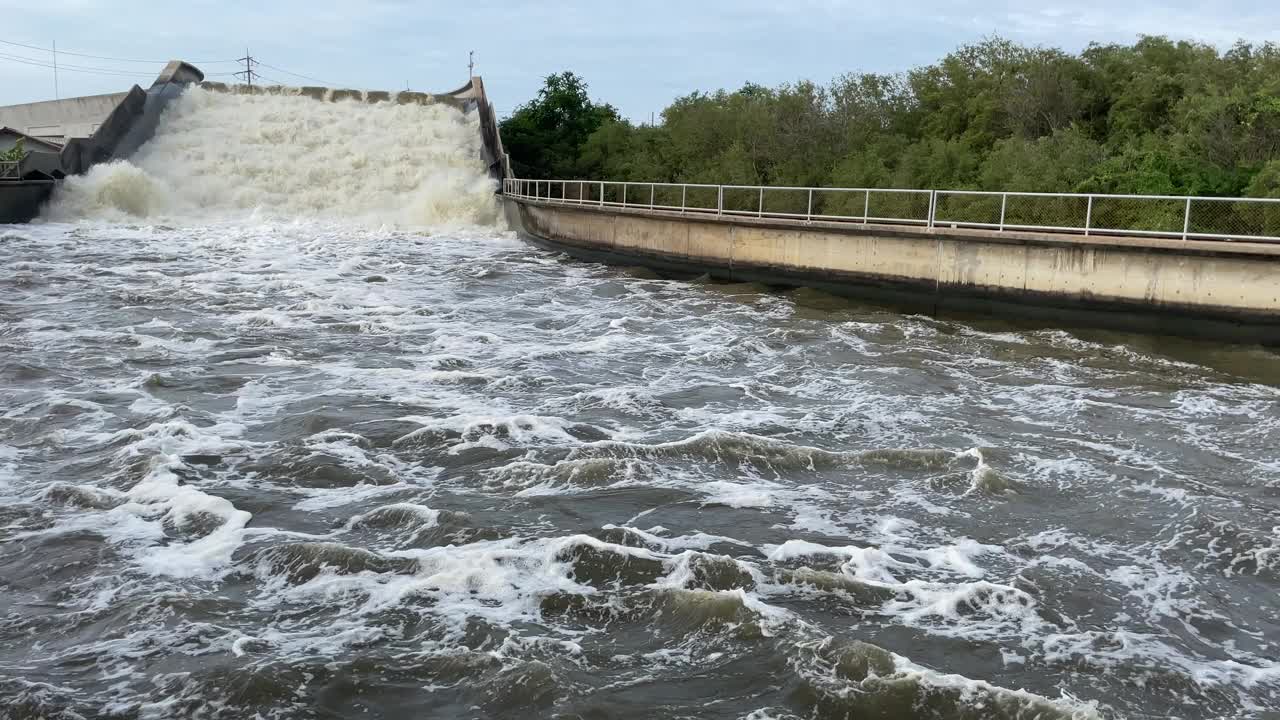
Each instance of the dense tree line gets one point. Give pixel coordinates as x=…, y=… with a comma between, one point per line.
x=1155, y=117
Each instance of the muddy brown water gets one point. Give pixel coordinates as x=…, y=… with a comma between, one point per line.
x=296, y=470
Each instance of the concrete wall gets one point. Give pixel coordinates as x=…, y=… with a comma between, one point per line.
x=59, y=120
x=133, y=123
x=492, y=152
x=80, y=154
x=20, y=201
x=1183, y=287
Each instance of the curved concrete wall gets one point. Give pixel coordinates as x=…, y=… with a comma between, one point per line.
x=1179, y=287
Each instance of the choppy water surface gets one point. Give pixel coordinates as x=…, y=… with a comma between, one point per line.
x=295, y=470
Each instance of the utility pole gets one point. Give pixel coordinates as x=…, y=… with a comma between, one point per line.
x=248, y=72
x=471, y=64
x=55, y=71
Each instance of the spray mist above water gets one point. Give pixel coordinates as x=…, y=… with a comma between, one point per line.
x=218, y=156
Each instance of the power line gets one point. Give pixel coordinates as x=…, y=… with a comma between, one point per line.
x=272, y=80
x=304, y=77
x=88, y=68
x=248, y=71
x=249, y=74
x=104, y=57
x=72, y=68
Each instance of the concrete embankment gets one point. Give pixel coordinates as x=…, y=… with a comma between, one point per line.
x=1198, y=288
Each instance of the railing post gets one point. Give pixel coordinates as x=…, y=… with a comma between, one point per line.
x=808, y=214
x=601, y=193
x=684, y=194
x=1186, y=220
x=719, y=200
x=933, y=205
x=652, y=189
x=1004, y=202
x=1088, y=215
x=760, y=207
x=624, y=194
x=866, y=206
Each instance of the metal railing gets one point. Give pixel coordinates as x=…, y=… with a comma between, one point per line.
x=10, y=170
x=1168, y=216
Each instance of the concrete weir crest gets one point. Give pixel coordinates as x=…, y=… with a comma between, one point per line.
x=100, y=128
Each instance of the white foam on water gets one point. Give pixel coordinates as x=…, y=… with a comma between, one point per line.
x=485, y=378
x=218, y=155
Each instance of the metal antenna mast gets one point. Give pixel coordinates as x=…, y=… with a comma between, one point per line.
x=471, y=64
x=56, y=95
x=248, y=71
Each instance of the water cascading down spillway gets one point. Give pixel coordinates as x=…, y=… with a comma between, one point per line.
x=373, y=159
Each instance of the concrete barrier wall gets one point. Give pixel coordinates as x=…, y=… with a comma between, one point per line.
x=20, y=201
x=80, y=154
x=60, y=120
x=133, y=124
x=1183, y=287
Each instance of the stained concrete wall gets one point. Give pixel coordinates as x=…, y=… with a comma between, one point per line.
x=80, y=154
x=1183, y=287
x=60, y=120
x=20, y=201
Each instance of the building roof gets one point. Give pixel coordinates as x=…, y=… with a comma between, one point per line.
x=32, y=143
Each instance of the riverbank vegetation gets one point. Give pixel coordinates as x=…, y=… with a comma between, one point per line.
x=1158, y=116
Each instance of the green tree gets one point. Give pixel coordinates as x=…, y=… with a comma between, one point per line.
x=1158, y=116
x=15, y=153
x=545, y=136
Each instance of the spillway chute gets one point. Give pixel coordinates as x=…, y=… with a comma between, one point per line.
x=220, y=152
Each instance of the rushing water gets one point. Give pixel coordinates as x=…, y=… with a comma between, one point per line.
x=274, y=466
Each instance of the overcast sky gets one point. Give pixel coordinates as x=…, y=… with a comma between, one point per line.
x=637, y=54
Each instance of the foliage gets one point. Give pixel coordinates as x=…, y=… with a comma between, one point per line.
x=1158, y=116
x=15, y=153
x=545, y=136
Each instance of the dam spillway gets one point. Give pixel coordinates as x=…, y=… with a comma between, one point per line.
x=328, y=445
x=219, y=154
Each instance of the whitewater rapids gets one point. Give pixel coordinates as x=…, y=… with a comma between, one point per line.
x=219, y=156
x=357, y=452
